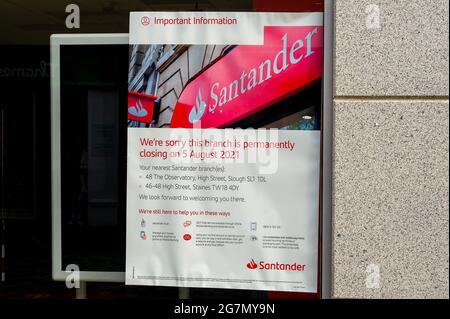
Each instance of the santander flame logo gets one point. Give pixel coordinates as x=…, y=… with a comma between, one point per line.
x=199, y=108
x=252, y=265
x=138, y=110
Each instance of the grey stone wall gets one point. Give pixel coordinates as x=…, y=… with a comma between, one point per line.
x=391, y=144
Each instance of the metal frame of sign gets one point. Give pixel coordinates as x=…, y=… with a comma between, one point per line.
x=327, y=153
x=327, y=134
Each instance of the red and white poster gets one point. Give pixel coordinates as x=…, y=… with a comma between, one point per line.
x=223, y=176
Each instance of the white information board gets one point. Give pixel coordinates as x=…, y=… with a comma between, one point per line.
x=228, y=208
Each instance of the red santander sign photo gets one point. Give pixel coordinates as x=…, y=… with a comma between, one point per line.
x=252, y=77
x=140, y=107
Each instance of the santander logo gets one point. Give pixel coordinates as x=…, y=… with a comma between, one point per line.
x=252, y=265
x=275, y=266
x=199, y=108
x=138, y=110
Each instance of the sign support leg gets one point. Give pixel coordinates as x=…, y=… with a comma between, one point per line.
x=80, y=293
x=183, y=293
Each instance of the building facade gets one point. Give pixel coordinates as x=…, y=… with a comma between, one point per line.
x=164, y=71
